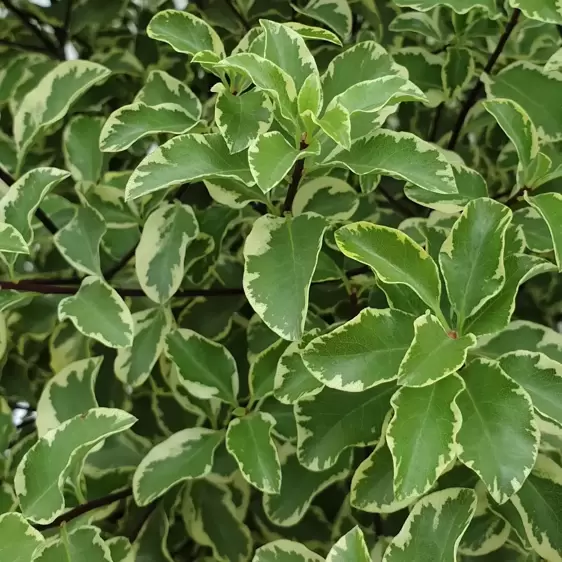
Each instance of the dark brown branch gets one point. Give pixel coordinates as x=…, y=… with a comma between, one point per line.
x=87, y=507
x=295, y=181
x=474, y=93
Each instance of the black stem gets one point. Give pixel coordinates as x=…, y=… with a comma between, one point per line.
x=115, y=269
x=295, y=181
x=432, y=137
x=473, y=95
x=396, y=204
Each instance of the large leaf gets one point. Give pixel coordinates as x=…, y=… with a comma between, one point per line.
x=99, y=312
x=160, y=254
x=444, y=515
x=42, y=472
x=185, y=455
x=205, y=368
x=401, y=155
x=363, y=352
x=499, y=437
x=50, y=100
x=424, y=427
x=249, y=441
x=472, y=256
x=187, y=158
x=282, y=253
x=332, y=421
x=18, y=539
x=549, y=205
x=394, y=257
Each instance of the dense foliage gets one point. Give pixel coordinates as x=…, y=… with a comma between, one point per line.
x=280, y=281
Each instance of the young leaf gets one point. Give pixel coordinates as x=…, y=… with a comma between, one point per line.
x=249, y=441
x=499, y=437
x=134, y=364
x=350, y=547
x=549, y=205
x=185, y=455
x=160, y=254
x=205, y=368
x=314, y=33
x=336, y=14
x=69, y=393
x=282, y=253
x=335, y=123
x=187, y=158
x=80, y=146
x=19, y=539
x=471, y=257
x=433, y=354
x=401, y=155
x=332, y=421
x=394, y=257
x=42, y=472
x=363, y=352
x=99, y=312
x=242, y=118
x=424, y=427
x=444, y=515
x=11, y=240
x=78, y=241
x=184, y=32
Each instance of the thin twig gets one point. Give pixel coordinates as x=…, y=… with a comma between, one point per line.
x=24, y=46
x=432, y=137
x=396, y=204
x=115, y=269
x=295, y=181
x=473, y=95
x=86, y=507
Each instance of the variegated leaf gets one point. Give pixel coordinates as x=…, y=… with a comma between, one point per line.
x=80, y=146
x=336, y=14
x=19, y=539
x=11, y=241
x=549, y=205
x=283, y=550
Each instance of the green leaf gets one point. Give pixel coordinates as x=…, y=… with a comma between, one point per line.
x=457, y=72
x=394, y=257
x=81, y=545
x=299, y=487
x=540, y=376
x=69, y=393
x=184, y=32
x=263, y=367
x=212, y=521
x=234, y=194
x=314, y=33
x=283, y=550
x=11, y=240
x=362, y=353
x=499, y=437
x=535, y=230
x=42, y=472
x=336, y=124
x=100, y=313
x=282, y=253
x=134, y=364
x=538, y=504
x=311, y=97
x=7, y=425
x=187, y=158
x=424, y=427
x=205, y=368
x=416, y=22
x=51, y=99
x=151, y=544
x=185, y=455
x=401, y=155
x=78, y=241
x=18, y=539
x=80, y=146
x=444, y=515
x=332, y=421
x=132, y=122
x=249, y=441
x=160, y=254
x=242, y=118
x=119, y=548
x=336, y=14
x=542, y=10
x=549, y=205
x=471, y=257
x=20, y=202
x=351, y=547
x=433, y=354
x=458, y=6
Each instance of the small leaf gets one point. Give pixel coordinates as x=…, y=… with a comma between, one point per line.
x=433, y=354
x=263, y=366
x=80, y=146
x=160, y=254
x=283, y=550
x=99, y=312
x=314, y=33
x=401, y=155
x=232, y=193
x=549, y=205
x=42, y=472
x=11, y=240
x=187, y=158
x=458, y=6
x=184, y=32
x=457, y=72
x=205, y=368
x=282, y=253
x=445, y=515
x=424, y=427
x=416, y=22
x=499, y=437
x=185, y=455
x=394, y=257
x=242, y=118
x=336, y=124
x=249, y=441
x=336, y=14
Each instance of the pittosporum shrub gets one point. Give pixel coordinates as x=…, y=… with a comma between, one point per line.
x=280, y=281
